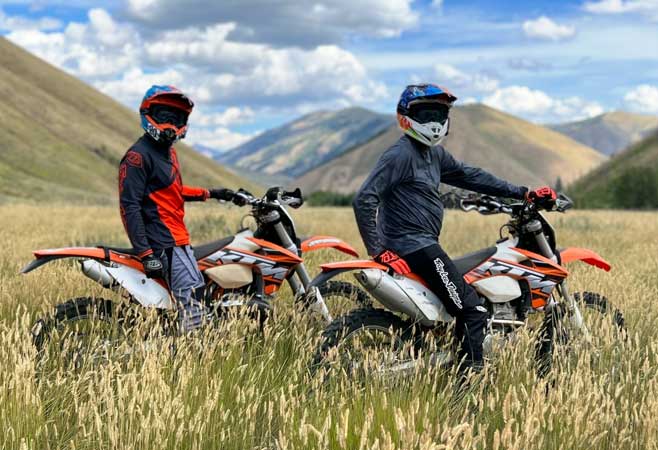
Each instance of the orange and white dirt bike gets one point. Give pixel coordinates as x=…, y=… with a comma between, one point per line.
x=246, y=269
x=522, y=274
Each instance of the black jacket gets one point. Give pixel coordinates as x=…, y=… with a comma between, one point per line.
x=399, y=206
x=152, y=196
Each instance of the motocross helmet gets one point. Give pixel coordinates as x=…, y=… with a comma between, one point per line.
x=164, y=112
x=423, y=112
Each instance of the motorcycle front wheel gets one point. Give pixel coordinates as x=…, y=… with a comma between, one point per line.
x=556, y=331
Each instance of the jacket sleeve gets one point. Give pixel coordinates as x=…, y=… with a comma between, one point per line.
x=195, y=194
x=366, y=202
x=461, y=175
x=132, y=189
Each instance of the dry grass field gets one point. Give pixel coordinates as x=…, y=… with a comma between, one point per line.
x=237, y=388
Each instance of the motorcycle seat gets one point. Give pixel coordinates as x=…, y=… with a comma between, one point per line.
x=200, y=252
x=124, y=251
x=208, y=249
x=470, y=261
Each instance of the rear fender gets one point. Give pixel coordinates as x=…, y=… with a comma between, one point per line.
x=585, y=255
x=332, y=270
x=320, y=242
x=100, y=254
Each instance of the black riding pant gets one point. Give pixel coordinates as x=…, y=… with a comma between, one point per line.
x=459, y=298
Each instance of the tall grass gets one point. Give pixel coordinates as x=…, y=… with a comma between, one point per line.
x=236, y=387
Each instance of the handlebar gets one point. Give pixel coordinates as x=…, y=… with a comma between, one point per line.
x=487, y=205
x=274, y=197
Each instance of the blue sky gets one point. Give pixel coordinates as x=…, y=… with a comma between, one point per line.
x=254, y=64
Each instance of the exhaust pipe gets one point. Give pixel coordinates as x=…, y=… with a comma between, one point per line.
x=97, y=272
x=404, y=296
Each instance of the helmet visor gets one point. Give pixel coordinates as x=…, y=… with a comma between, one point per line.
x=166, y=114
x=425, y=112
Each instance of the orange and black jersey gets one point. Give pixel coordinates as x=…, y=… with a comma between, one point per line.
x=152, y=197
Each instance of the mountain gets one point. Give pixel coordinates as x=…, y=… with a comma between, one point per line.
x=62, y=139
x=509, y=147
x=297, y=147
x=611, y=132
x=628, y=180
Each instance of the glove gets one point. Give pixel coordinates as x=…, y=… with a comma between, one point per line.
x=241, y=197
x=393, y=260
x=153, y=267
x=221, y=194
x=544, y=197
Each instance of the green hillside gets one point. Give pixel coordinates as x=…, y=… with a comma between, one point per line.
x=62, y=139
x=509, y=147
x=627, y=180
x=611, y=132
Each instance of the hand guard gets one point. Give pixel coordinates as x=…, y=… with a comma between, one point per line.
x=393, y=260
x=153, y=267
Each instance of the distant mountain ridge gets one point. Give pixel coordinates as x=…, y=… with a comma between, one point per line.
x=62, y=139
x=509, y=147
x=295, y=148
x=611, y=132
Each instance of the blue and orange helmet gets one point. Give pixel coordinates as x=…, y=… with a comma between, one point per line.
x=423, y=111
x=164, y=111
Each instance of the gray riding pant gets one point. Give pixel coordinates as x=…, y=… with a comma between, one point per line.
x=186, y=283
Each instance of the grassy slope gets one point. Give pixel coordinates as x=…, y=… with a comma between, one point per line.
x=610, y=132
x=509, y=147
x=62, y=139
x=595, y=189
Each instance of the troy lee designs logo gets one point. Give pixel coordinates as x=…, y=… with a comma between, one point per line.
x=537, y=280
x=450, y=286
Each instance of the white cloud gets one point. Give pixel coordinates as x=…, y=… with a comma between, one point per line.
x=538, y=106
x=15, y=23
x=622, y=7
x=220, y=138
x=230, y=116
x=454, y=78
x=546, y=29
x=643, y=98
x=285, y=22
x=99, y=48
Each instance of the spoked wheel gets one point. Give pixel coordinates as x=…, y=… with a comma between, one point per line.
x=366, y=342
x=83, y=332
x=342, y=297
x=599, y=324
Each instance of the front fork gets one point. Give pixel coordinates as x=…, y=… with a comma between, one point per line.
x=301, y=279
x=573, y=309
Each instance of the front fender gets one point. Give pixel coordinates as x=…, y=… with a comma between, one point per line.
x=331, y=270
x=585, y=255
x=320, y=242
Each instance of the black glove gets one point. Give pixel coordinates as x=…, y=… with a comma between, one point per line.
x=221, y=194
x=153, y=267
x=544, y=197
x=241, y=197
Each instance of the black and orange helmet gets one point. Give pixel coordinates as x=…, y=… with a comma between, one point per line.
x=164, y=112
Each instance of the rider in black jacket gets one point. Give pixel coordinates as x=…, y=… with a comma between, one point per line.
x=399, y=211
x=152, y=196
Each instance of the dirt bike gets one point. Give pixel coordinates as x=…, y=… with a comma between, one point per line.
x=522, y=274
x=248, y=268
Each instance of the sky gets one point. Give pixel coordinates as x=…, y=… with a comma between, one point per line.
x=250, y=65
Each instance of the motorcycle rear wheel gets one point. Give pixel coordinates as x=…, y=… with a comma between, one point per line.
x=81, y=332
x=363, y=341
